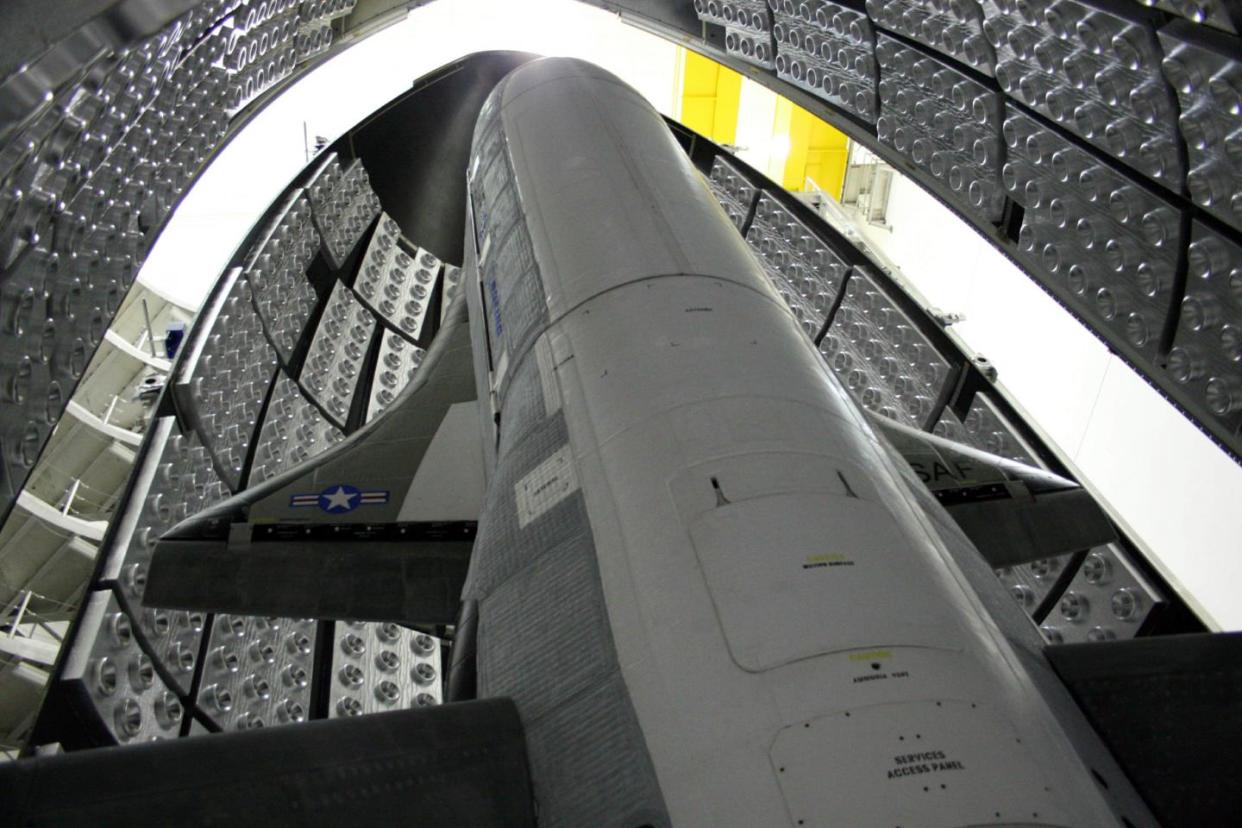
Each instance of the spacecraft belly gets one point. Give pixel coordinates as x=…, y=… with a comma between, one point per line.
x=775, y=629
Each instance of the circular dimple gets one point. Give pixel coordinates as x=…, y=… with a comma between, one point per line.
x=298, y=642
x=1097, y=569
x=423, y=673
x=1023, y=594
x=158, y=622
x=387, y=660
x=424, y=700
x=1231, y=342
x=1137, y=330
x=294, y=675
x=1226, y=92
x=351, y=675
x=256, y=687
x=134, y=579
x=353, y=645
x=1221, y=394
x=1126, y=604
x=120, y=630
x=224, y=659
x=218, y=698
x=127, y=718
x=141, y=673
x=182, y=657
x=1051, y=257
x=262, y=652
x=1197, y=312
x=388, y=631
x=1182, y=365
x=168, y=710
x=1045, y=568
x=387, y=692
x=1149, y=281
x=1052, y=635
x=1076, y=278
x=1106, y=303
x=349, y=706
x=1205, y=257
x=1074, y=607
x=1119, y=253
x=105, y=676
x=290, y=710
x=1097, y=634
x=423, y=644
x=1058, y=212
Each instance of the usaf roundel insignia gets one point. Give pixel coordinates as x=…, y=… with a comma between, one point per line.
x=339, y=498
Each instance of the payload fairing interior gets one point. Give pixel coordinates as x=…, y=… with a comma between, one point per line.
x=617, y=483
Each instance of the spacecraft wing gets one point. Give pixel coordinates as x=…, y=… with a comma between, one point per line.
x=379, y=528
x=459, y=764
x=1014, y=513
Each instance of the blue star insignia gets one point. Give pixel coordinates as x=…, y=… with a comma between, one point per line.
x=342, y=498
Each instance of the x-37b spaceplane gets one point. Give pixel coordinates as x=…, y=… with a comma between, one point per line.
x=689, y=580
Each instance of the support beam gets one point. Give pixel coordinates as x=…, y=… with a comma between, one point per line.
x=29, y=649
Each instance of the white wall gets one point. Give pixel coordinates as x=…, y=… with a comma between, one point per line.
x=756, y=115
x=252, y=170
x=1177, y=492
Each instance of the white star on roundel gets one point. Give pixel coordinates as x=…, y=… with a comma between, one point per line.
x=338, y=501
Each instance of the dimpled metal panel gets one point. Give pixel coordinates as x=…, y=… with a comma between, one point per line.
x=986, y=429
x=397, y=284
x=748, y=27
x=293, y=431
x=1105, y=244
x=257, y=672
x=1107, y=600
x=182, y=482
x=1206, y=357
x=1214, y=13
x=397, y=364
x=117, y=688
x=811, y=268
x=880, y=355
x=276, y=270
x=382, y=666
x=99, y=138
x=1096, y=72
x=945, y=122
x=334, y=362
x=1206, y=73
x=343, y=205
x=735, y=194
x=230, y=380
x=953, y=28
x=829, y=50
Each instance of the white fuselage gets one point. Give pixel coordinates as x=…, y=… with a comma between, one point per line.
x=799, y=645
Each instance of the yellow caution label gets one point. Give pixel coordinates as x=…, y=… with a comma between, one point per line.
x=871, y=655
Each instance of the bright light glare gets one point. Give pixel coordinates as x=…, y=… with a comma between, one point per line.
x=251, y=171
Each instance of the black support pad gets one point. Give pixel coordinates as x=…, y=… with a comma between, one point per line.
x=414, y=581
x=450, y=766
x=1170, y=709
x=1013, y=531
